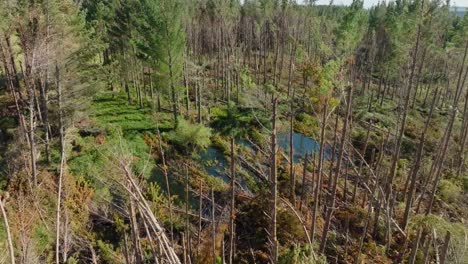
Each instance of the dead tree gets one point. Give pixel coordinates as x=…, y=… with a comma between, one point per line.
x=233, y=204
x=136, y=193
x=273, y=185
x=3, y=199
x=417, y=165
x=337, y=173
x=62, y=164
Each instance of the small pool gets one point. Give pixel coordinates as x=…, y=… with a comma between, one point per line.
x=302, y=144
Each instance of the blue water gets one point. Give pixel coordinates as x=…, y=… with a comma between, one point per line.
x=215, y=163
x=301, y=145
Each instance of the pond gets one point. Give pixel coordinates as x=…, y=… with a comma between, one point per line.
x=216, y=165
x=302, y=144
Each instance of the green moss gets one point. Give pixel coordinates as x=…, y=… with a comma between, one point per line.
x=115, y=110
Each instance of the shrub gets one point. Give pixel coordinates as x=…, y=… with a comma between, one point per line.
x=449, y=191
x=190, y=136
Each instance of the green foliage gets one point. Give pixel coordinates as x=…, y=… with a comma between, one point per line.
x=237, y=122
x=107, y=252
x=231, y=122
x=306, y=124
x=43, y=238
x=441, y=226
x=465, y=183
x=449, y=191
x=163, y=38
x=301, y=255
x=350, y=31
x=247, y=81
x=190, y=136
x=113, y=110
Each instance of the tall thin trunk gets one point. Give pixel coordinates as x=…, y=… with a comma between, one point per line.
x=304, y=173
x=396, y=155
x=62, y=165
x=7, y=229
x=418, y=77
x=273, y=186
x=45, y=116
x=213, y=226
x=187, y=223
x=168, y=188
x=318, y=185
x=200, y=204
x=292, y=175
x=445, y=247
x=440, y=160
x=414, y=250
x=338, y=170
x=31, y=133
x=417, y=164
x=199, y=104
x=366, y=227
x=233, y=193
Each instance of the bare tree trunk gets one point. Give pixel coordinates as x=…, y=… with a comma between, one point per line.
x=291, y=61
x=366, y=227
x=445, y=247
x=273, y=186
x=426, y=250
x=200, y=201
x=135, y=192
x=168, y=188
x=439, y=164
x=7, y=228
x=45, y=119
x=233, y=193
x=417, y=165
x=414, y=250
x=292, y=176
x=187, y=223
x=213, y=226
x=31, y=132
x=135, y=232
x=62, y=165
x=304, y=172
x=199, y=116
x=418, y=77
x=396, y=155
x=337, y=173
x=318, y=185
